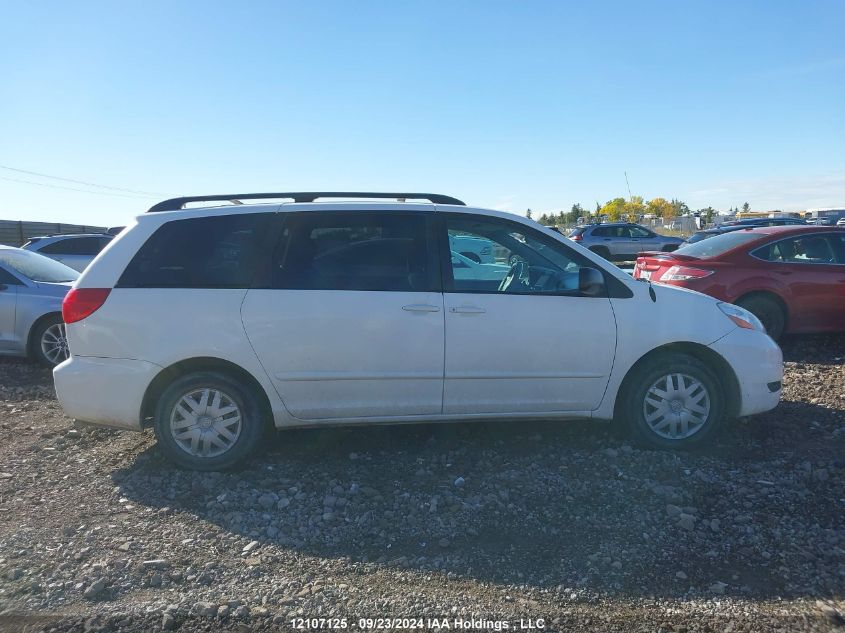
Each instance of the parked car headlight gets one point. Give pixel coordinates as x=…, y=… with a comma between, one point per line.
x=741, y=317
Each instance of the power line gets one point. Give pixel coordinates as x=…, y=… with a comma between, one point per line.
x=96, y=193
x=152, y=194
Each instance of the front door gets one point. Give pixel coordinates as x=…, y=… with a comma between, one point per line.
x=520, y=338
x=8, y=303
x=812, y=266
x=351, y=324
x=642, y=240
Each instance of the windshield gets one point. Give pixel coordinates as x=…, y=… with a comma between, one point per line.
x=36, y=267
x=718, y=244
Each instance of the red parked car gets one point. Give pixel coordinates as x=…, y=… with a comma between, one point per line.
x=791, y=277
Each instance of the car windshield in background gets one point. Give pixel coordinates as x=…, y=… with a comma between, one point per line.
x=37, y=267
x=718, y=244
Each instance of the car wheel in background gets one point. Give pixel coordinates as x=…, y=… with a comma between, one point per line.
x=769, y=312
x=49, y=341
x=208, y=421
x=673, y=401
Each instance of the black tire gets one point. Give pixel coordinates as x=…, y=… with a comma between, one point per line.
x=474, y=257
x=768, y=311
x=601, y=251
x=39, y=347
x=252, y=421
x=634, y=407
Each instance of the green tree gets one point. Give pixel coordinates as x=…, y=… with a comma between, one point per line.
x=577, y=211
x=544, y=219
x=707, y=214
x=528, y=214
x=746, y=207
x=679, y=208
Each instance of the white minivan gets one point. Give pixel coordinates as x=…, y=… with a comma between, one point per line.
x=213, y=325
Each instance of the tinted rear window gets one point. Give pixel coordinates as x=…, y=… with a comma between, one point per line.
x=88, y=246
x=215, y=252
x=718, y=244
x=354, y=251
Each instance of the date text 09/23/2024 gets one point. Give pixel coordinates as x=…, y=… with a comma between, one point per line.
x=434, y=624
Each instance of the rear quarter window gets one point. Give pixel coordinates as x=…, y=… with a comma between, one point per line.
x=211, y=252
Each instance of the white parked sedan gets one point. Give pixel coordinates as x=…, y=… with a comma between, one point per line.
x=213, y=324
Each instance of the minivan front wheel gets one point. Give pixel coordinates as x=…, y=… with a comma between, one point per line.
x=674, y=401
x=208, y=421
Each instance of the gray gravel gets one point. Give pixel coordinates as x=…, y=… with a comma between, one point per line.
x=564, y=522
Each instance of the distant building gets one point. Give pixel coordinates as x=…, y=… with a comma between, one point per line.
x=829, y=215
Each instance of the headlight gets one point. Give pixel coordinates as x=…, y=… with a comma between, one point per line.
x=742, y=317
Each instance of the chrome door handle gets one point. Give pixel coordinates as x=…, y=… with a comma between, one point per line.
x=467, y=310
x=421, y=307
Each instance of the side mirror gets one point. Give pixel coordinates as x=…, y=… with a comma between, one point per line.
x=591, y=282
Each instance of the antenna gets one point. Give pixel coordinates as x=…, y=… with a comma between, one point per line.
x=628, y=185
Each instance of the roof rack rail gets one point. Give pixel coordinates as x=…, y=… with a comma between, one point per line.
x=174, y=204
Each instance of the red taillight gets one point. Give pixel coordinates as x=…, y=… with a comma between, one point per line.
x=577, y=238
x=80, y=303
x=684, y=273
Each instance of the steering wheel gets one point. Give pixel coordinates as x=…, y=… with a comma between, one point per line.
x=517, y=274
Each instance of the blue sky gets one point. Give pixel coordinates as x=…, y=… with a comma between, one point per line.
x=504, y=104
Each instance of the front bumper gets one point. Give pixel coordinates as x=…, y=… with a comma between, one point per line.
x=758, y=363
x=104, y=391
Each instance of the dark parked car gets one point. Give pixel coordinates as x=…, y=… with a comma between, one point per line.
x=791, y=277
x=622, y=241
x=743, y=224
x=764, y=222
x=76, y=251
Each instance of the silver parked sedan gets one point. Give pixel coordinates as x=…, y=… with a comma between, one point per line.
x=32, y=288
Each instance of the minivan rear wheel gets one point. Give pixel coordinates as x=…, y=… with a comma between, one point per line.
x=674, y=401
x=208, y=421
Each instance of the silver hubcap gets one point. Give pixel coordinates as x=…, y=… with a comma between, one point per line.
x=205, y=422
x=54, y=343
x=676, y=406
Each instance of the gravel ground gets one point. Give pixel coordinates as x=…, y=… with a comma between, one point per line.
x=465, y=524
